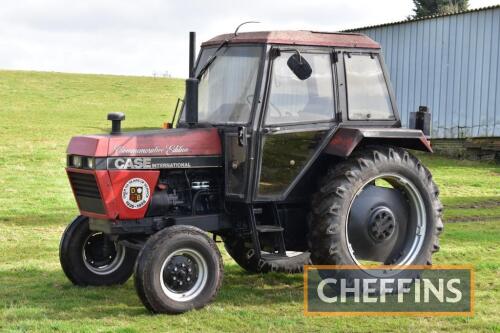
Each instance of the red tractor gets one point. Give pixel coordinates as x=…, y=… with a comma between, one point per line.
x=289, y=148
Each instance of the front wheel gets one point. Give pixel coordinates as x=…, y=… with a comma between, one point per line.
x=380, y=206
x=91, y=258
x=179, y=269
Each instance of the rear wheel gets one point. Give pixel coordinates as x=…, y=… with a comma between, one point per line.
x=241, y=250
x=91, y=258
x=380, y=206
x=178, y=269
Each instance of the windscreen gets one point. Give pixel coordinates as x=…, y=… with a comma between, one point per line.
x=226, y=90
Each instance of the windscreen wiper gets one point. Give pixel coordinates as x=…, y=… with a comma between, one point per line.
x=212, y=59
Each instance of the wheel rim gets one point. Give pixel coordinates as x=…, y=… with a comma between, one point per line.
x=102, y=256
x=386, y=225
x=183, y=275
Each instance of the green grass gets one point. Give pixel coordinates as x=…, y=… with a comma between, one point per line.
x=41, y=111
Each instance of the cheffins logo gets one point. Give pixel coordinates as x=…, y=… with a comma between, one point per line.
x=135, y=193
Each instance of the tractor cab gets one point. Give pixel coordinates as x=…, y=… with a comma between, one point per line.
x=277, y=97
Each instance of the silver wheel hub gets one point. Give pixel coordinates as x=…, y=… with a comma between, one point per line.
x=386, y=225
x=382, y=224
x=184, y=275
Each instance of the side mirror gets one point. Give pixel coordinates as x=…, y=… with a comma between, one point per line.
x=299, y=66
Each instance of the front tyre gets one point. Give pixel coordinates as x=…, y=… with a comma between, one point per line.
x=380, y=206
x=179, y=269
x=91, y=258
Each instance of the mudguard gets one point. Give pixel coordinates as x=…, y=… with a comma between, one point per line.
x=346, y=139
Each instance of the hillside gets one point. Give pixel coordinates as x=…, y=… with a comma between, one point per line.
x=41, y=111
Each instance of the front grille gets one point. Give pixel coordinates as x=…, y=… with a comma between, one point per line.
x=86, y=192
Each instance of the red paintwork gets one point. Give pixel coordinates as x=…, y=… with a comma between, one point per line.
x=343, y=142
x=89, y=145
x=169, y=142
x=110, y=184
x=119, y=178
x=194, y=142
x=310, y=38
x=200, y=141
x=427, y=143
x=346, y=139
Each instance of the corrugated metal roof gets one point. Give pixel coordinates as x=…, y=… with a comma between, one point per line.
x=422, y=18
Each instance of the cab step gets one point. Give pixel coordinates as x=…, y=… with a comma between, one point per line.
x=273, y=256
x=275, y=229
x=269, y=228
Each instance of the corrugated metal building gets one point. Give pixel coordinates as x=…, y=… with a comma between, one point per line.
x=449, y=63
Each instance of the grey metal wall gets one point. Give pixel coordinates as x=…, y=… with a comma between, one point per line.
x=450, y=64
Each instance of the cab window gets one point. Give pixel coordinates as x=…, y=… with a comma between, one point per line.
x=292, y=100
x=367, y=92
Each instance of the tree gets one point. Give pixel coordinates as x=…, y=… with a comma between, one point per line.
x=434, y=7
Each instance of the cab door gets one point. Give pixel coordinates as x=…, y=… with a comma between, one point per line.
x=298, y=114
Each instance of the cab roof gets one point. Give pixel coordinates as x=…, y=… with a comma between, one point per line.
x=301, y=37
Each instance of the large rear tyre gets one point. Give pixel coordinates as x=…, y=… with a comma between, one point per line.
x=241, y=250
x=356, y=220
x=179, y=269
x=91, y=258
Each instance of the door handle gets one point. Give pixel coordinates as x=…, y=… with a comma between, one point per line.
x=270, y=130
x=242, y=136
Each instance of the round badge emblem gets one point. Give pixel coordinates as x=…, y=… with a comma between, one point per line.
x=135, y=193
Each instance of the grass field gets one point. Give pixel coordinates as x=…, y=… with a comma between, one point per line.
x=39, y=112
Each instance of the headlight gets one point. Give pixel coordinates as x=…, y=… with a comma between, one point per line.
x=90, y=162
x=76, y=161
x=81, y=162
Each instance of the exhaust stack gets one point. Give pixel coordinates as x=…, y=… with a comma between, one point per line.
x=192, y=84
x=192, y=53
